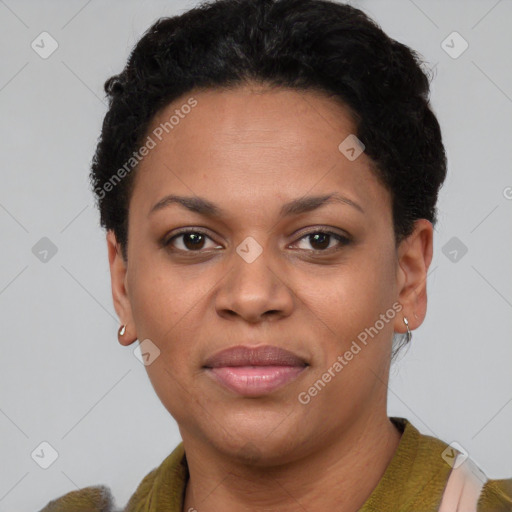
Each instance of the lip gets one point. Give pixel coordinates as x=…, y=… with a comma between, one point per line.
x=254, y=371
x=263, y=355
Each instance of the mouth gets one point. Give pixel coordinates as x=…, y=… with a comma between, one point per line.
x=254, y=371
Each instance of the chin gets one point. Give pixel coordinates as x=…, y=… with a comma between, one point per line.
x=261, y=454
x=258, y=442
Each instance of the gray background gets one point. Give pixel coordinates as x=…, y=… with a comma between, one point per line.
x=64, y=378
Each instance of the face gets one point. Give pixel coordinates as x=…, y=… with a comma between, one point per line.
x=253, y=263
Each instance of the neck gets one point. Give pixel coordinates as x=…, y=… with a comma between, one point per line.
x=341, y=475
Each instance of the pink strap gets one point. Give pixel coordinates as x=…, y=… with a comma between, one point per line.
x=463, y=487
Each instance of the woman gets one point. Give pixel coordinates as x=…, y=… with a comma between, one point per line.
x=267, y=174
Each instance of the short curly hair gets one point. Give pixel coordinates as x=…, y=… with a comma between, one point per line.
x=298, y=44
x=304, y=45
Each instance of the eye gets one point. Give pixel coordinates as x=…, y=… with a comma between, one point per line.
x=191, y=241
x=321, y=240
x=194, y=241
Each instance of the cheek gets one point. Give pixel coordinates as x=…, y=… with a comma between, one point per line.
x=160, y=298
x=346, y=309
x=353, y=293
x=168, y=308
x=163, y=312
x=344, y=306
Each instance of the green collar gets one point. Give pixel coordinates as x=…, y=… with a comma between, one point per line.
x=414, y=479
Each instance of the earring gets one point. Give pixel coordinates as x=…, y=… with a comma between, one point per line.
x=409, y=334
x=122, y=330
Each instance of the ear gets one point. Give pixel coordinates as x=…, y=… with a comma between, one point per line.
x=118, y=279
x=414, y=258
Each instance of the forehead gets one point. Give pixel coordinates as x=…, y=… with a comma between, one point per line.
x=253, y=142
x=283, y=120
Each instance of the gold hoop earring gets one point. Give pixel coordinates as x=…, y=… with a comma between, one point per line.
x=409, y=334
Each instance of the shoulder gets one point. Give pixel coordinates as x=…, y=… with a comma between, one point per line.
x=89, y=499
x=162, y=483
x=435, y=468
x=496, y=496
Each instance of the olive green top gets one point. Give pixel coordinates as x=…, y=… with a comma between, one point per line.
x=414, y=481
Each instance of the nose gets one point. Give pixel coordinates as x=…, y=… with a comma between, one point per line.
x=256, y=287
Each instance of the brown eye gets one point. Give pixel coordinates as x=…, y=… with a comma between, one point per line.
x=188, y=241
x=321, y=240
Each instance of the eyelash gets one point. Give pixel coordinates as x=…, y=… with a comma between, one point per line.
x=343, y=240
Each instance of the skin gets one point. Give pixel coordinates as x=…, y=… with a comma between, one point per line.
x=249, y=150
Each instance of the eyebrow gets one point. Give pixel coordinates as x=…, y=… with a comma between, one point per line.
x=204, y=207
